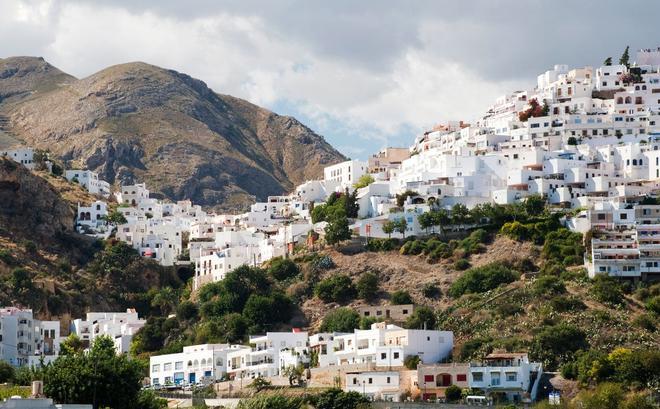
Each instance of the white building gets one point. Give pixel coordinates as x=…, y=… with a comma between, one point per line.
x=119, y=326
x=24, y=156
x=132, y=194
x=89, y=180
x=509, y=373
x=92, y=218
x=388, y=345
x=269, y=355
x=375, y=385
x=346, y=174
x=196, y=364
x=24, y=339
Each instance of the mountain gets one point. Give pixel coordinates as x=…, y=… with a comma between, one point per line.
x=137, y=122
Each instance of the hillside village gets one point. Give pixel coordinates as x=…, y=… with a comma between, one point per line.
x=577, y=154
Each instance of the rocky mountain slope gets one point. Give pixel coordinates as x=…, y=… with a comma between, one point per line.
x=138, y=122
x=45, y=265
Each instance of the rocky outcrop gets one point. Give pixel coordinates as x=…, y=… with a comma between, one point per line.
x=137, y=122
x=31, y=208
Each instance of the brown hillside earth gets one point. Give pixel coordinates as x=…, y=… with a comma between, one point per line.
x=140, y=123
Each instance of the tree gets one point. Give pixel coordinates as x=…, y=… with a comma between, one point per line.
x=337, y=229
x=425, y=221
x=295, y=373
x=260, y=384
x=166, y=300
x=441, y=218
x=71, y=345
x=338, y=288
x=367, y=286
x=534, y=205
x=460, y=214
x=607, y=289
x=341, y=320
x=608, y=61
x=401, y=297
x=422, y=318
x=283, y=269
x=388, y=228
x=187, y=311
x=625, y=57
x=572, y=140
x=337, y=399
x=115, y=218
x=401, y=225
x=557, y=343
x=411, y=361
x=6, y=372
x=482, y=279
x=453, y=393
x=100, y=377
x=364, y=181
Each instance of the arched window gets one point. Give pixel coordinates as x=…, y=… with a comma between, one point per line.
x=628, y=100
x=634, y=162
x=641, y=162
x=619, y=100
x=189, y=364
x=203, y=362
x=196, y=363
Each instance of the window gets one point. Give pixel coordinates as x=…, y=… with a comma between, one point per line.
x=155, y=368
x=388, y=379
x=167, y=367
x=396, y=355
x=477, y=377
x=428, y=378
x=511, y=377
x=383, y=355
x=371, y=380
x=178, y=365
x=461, y=378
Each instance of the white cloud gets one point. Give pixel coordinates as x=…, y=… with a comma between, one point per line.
x=362, y=79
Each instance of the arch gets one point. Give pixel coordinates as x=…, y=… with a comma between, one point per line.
x=196, y=363
x=619, y=100
x=418, y=200
x=189, y=364
x=643, y=87
x=203, y=363
x=641, y=162
x=218, y=362
x=443, y=379
x=628, y=100
x=634, y=162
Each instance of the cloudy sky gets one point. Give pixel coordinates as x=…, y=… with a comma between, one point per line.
x=365, y=74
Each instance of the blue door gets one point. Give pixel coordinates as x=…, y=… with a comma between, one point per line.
x=191, y=377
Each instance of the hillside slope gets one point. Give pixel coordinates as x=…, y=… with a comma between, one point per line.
x=137, y=122
x=45, y=265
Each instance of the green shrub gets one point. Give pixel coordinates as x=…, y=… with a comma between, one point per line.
x=6, y=257
x=341, y=320
x=556, y=344
x=400, y=297
x=282, y=269
x=276, y=401
x=607, y=290
x=367, y=286
x=338, y=288
x=440, y=251
x=548, y=285
x=508, y=309
x=422, y=317
x=482, y=279
x=411, y=362
x=561, y=244
x=653, y=304
x=453, y=393
x=431, y=290
x=565, y=304
x=337, y=399
x=470, y=348
x=461, y=264
x=646, y=321
x=383, y=244
x=29, y=246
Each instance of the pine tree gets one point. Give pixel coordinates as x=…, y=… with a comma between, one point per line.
x=608, y=61
x=625, y=57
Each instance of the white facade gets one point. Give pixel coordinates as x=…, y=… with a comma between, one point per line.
x=204, y=363
x=89, y=180
x=24, y=156
x=388, y=345
x=345, y=174
x=119, y=326
x=383, y=386
x=269, y=355
x=92, y=218
x=24, y=339
x=510, y=373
